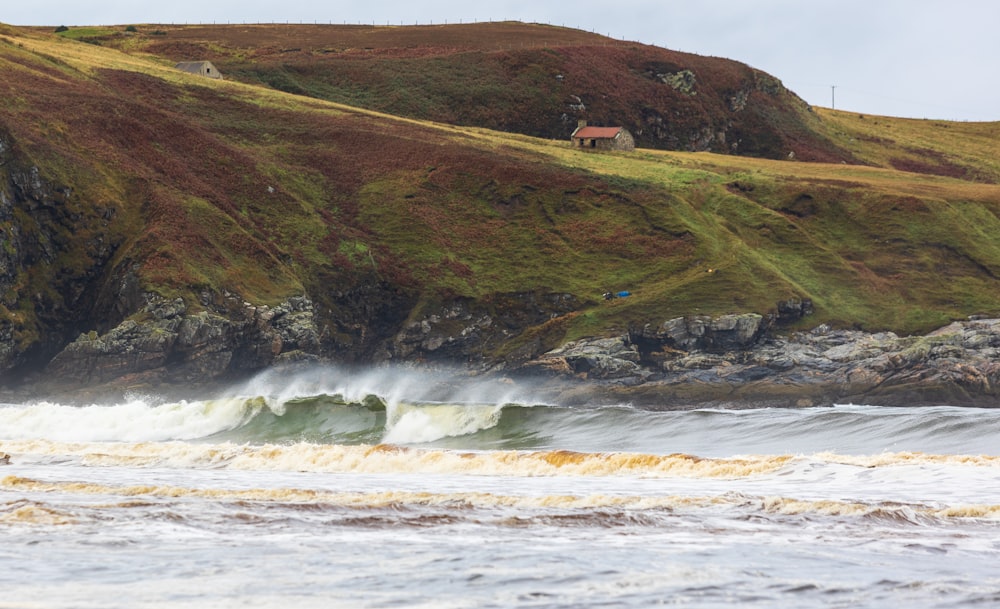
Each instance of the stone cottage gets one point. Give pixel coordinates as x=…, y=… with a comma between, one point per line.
x=201, y=68
x=602, y=138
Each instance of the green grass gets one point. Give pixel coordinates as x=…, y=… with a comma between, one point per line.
x=960, y=149
x=83, y=33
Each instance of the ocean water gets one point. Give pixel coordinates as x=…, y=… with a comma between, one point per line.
x=400, y=488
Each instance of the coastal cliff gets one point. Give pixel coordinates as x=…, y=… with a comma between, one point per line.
x=734, y=361
x=162, y=231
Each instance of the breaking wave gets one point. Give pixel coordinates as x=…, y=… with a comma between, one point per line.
x=406, y=407
x=325, y=407
x=320, y=419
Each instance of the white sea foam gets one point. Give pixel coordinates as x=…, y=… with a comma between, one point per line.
x=133, y=421
x=146, y=418
x=418, y=423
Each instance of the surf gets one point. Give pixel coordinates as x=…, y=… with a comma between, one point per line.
x=331, y=406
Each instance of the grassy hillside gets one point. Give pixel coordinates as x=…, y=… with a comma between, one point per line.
x=525, y=78
x=203, y=187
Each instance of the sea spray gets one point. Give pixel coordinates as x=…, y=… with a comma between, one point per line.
x=391, y=384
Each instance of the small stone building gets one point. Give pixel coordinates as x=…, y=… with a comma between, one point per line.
x=201, y=68
x=602, y=138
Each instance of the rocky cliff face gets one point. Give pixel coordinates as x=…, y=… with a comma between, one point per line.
x=58, y=279
x=173, y=345
x=168, y=343
x=465, y=330
x=53, y=253
x=732, y=360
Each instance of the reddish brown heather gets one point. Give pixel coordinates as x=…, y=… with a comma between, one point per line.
x=510, y=76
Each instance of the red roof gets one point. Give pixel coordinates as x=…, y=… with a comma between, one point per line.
x=597, y=132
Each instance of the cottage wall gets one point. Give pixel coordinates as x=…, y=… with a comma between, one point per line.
x=201, y=68
x=209, y=70
x=623, y=141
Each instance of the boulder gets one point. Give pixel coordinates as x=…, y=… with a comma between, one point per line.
x=703, y=333
x=602, y=358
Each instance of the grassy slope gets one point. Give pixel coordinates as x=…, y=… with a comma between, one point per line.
x=525, y=78
x=230, y=186
x=874, y=248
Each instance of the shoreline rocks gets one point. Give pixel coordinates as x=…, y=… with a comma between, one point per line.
x=167, y=344
x=956, y=365
x=733, y=361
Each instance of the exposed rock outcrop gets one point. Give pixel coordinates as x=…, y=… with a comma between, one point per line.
x=955, y=365
x=602, y=358
x=703, y=333
x=167, y=343
x=463, y=329
x=170, y=342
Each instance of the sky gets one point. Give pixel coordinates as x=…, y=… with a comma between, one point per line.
x=933, y=59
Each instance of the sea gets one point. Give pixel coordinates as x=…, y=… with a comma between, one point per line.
x=411, y=488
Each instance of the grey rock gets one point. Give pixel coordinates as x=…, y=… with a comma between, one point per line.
x=164, y=343
x=462, y=329
x=955, y=365
x=602, y=358
x=161, y=309
x=725, y=333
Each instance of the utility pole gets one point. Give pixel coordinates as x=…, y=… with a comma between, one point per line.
x=833, y=97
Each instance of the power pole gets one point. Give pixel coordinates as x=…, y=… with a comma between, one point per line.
x=833, y=97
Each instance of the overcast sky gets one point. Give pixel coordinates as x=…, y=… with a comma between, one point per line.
x=912, y=58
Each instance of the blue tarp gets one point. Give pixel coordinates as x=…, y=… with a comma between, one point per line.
x=613, y=295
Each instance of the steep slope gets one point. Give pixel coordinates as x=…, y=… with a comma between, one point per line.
x=159, y=226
